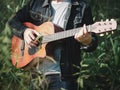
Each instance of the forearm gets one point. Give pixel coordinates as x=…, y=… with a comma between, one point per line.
x=17, y=22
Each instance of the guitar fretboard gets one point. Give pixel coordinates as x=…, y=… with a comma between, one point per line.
x=61, y=35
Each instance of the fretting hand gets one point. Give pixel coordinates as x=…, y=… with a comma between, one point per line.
x=83, y=36
x=29, y=37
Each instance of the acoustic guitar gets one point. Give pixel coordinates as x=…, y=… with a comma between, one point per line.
x=21, y=55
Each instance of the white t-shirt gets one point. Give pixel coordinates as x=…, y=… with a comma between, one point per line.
x=59, y=12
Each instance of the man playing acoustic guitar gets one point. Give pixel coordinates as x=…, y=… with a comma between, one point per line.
x=60, y=52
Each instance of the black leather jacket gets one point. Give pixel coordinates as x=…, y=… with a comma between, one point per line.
x=39, y=11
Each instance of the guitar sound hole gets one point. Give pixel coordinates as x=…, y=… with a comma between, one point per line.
x=32, y=50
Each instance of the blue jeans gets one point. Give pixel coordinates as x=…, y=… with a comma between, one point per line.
x=53, y=82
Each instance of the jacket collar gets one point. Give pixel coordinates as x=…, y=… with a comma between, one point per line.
x=46, y=3
x=73, y=2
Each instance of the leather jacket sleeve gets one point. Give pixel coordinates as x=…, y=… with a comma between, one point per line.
x=17, y=22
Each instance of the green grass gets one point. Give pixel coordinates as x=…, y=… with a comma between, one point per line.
x=100, y=70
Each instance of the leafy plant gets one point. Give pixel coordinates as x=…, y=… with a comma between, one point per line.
x=100, y=70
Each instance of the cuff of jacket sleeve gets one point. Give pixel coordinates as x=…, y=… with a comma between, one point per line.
x=19, y=33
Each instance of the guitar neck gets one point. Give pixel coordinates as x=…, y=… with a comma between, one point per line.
x=60, y=35
x=98, y=27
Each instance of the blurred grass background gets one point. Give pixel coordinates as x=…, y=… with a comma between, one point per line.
x=100, y=70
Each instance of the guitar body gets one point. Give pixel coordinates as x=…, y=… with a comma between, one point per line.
x=21, y=55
